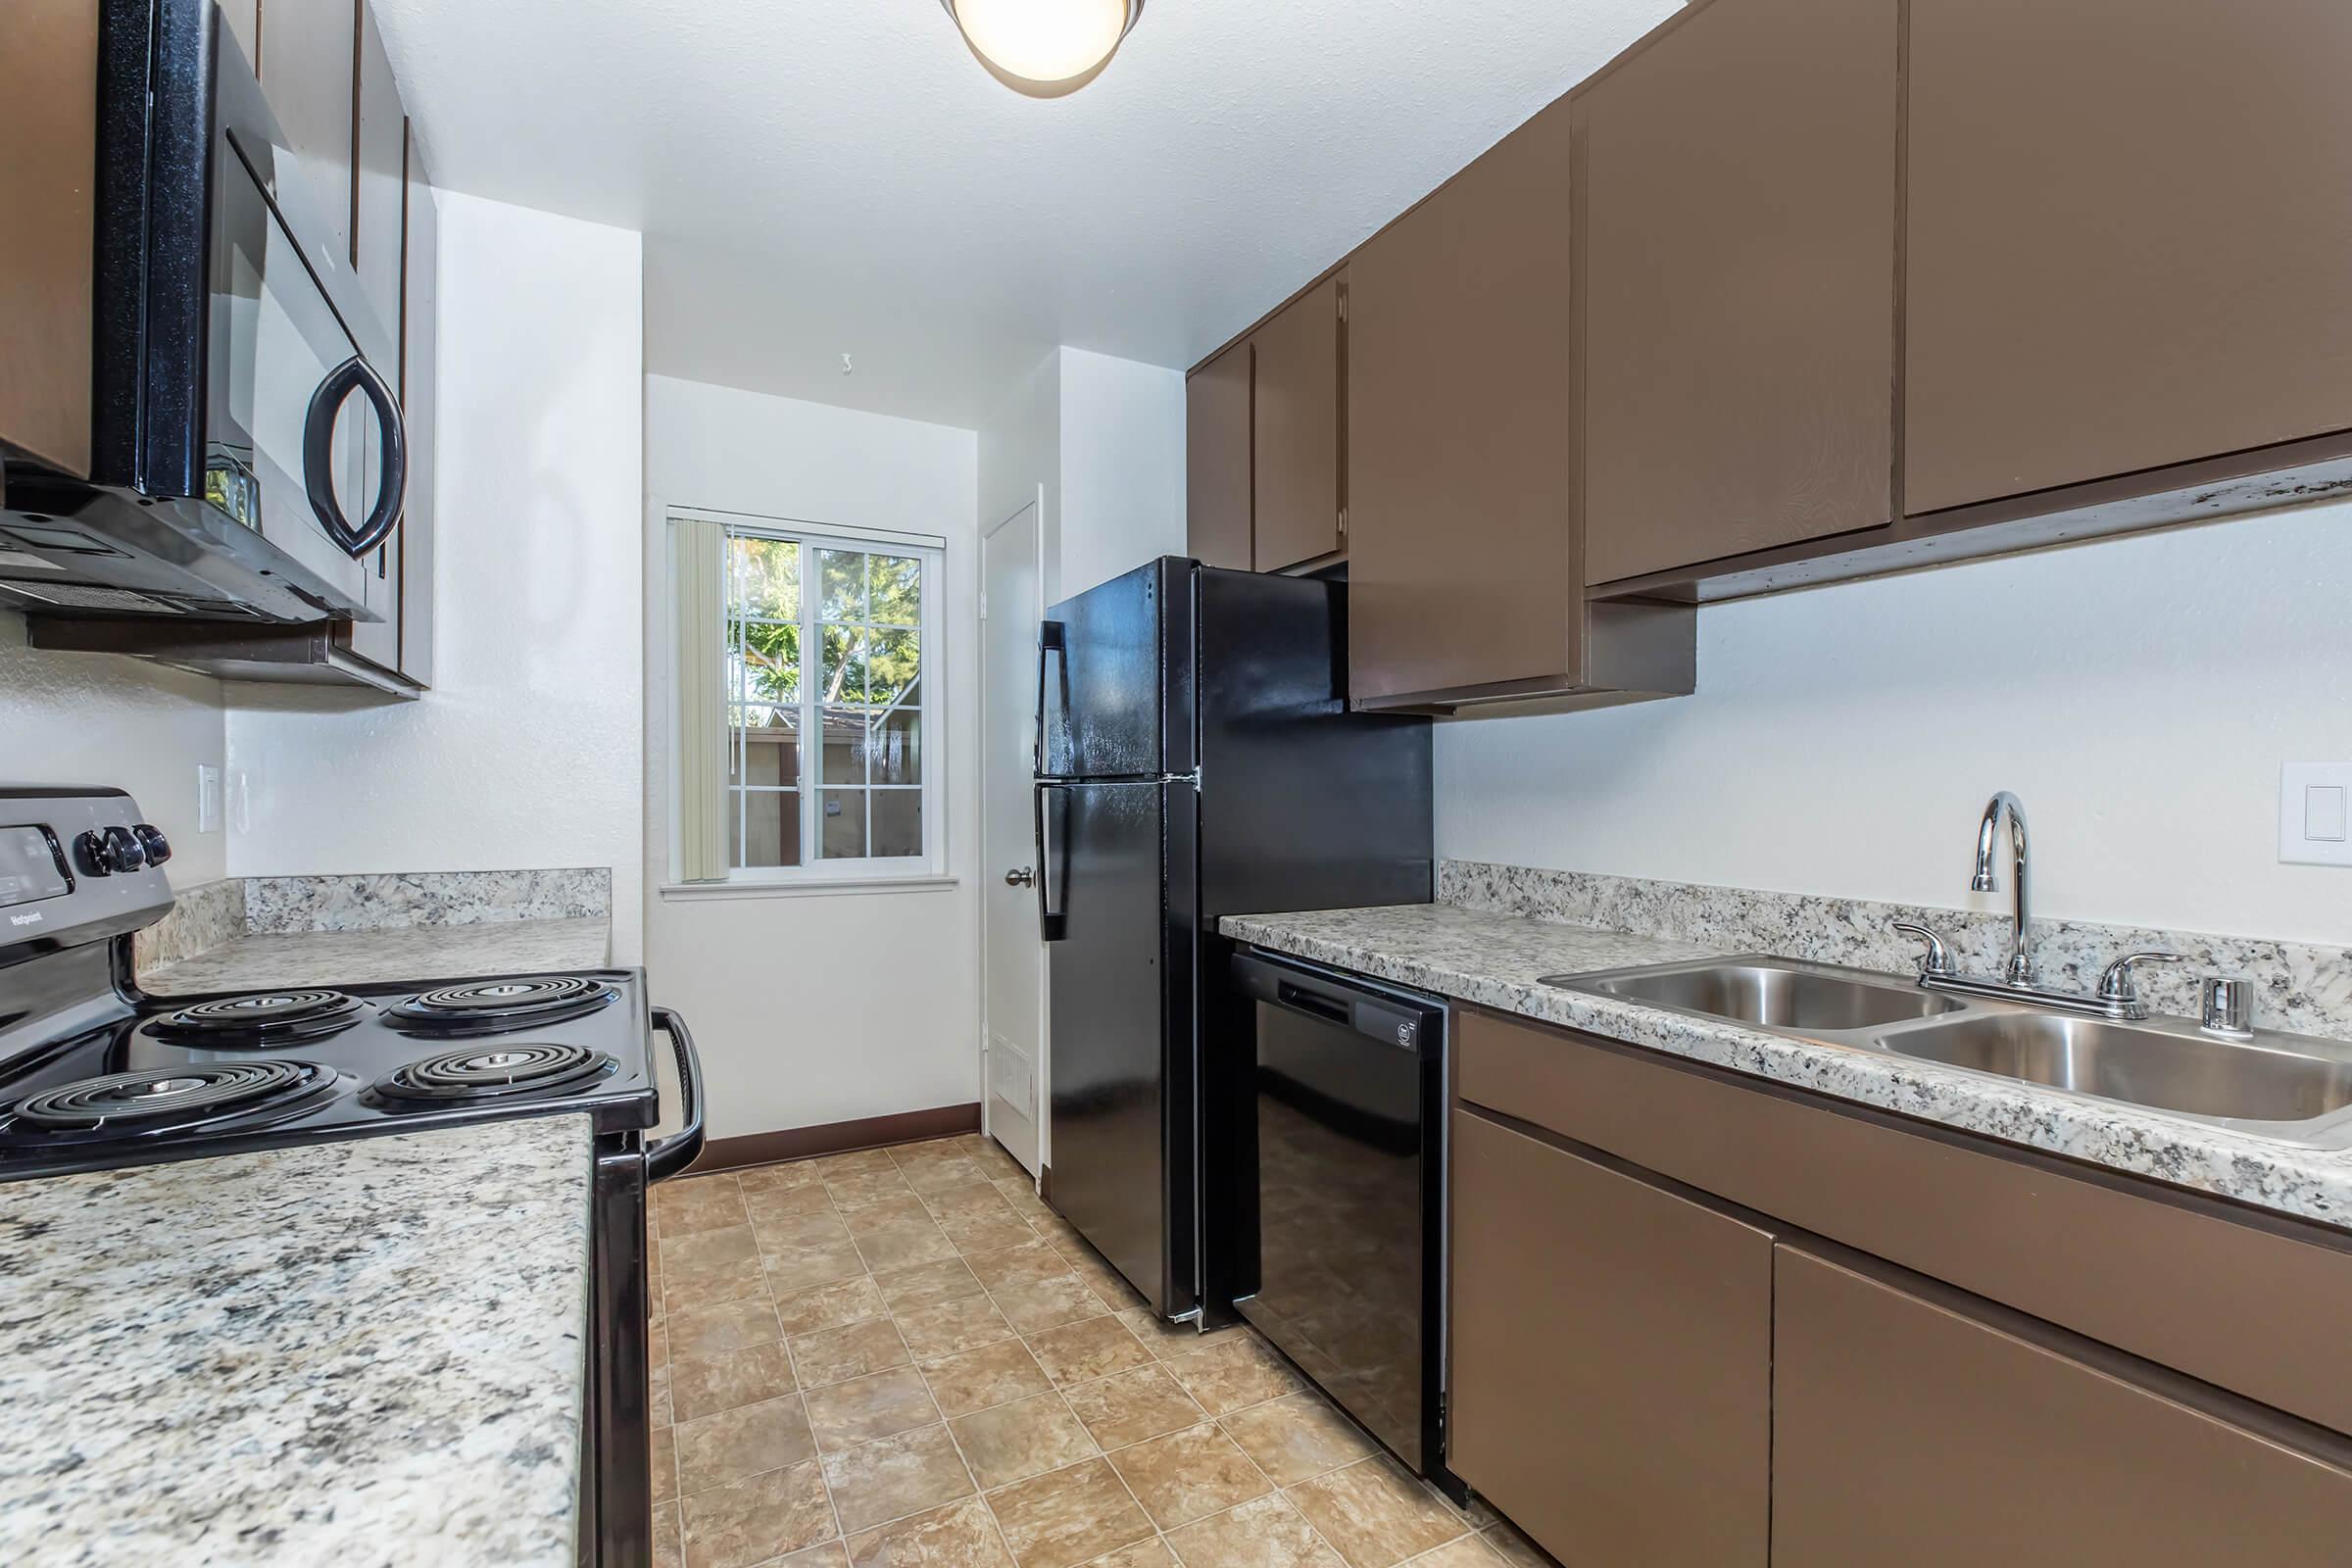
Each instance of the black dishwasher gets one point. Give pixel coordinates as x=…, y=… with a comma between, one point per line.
x=1349, y=1088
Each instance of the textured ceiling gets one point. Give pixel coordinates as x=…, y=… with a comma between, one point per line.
x=815, y=177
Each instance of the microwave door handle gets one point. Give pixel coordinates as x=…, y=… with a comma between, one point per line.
x=318, y=456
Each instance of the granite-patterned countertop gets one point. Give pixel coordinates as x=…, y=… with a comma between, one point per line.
x=416, y=953
x=362, y=1352
x=1494, y=959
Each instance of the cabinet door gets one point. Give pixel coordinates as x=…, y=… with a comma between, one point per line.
x=418, y=366
x=48, y=126
x=1737, y=212
x=1297, y=424
x=1462, y=565
x=1613, y=1357
x=1907, y=1432
x=244, y=18
x=308, y=68
x=2127, y=240
x=1216, y=461
x=375, y=251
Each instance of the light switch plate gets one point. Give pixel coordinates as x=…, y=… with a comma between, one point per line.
x=2315, y=803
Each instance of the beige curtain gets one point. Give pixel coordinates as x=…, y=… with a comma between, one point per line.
x=700, y=567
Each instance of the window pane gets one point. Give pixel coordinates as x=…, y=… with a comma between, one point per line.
x=896, y=750
x=772, y=659
x=764, y=578
x=893, y=660
x=764, y=827
x=898, y=823
x=845, y=746
x=844, y=824
x=772, y=750
x=843, y=576
x=844, y=673
x=897, y=590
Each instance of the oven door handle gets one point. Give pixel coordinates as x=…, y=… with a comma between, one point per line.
x=665, y=1158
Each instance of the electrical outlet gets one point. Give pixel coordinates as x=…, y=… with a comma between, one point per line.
x=207, y=798
x=2315, y=813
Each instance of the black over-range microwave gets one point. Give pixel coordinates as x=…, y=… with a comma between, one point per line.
x=247, y=452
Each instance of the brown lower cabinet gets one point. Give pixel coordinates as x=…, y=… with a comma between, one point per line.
x=1907, y=1430
x=1613, y=1357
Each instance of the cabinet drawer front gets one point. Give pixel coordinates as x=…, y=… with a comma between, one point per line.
x=1613, y=1357
x=2163, y=1276
x=1907, y=1432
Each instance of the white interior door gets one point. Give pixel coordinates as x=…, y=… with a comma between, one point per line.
x=1013, y=961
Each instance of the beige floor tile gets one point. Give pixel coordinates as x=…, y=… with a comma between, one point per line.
x=845, y=1414
x=828, y=1306
x=899, y=1209
x=665, y=1463
x=1030, y=1261
x=697, y=1204
x=892, y=1476
x=1471, y=1551
x=1263, y=1533
x=1090, y=1349
x=1296, y=1437
x=1010, y=1442
x=776, y=1202
x=736, y=1444
x=939, y=1175
x=994, y=1374
x=714, y=1265
x=1068, y=1517
x=967, y=1201
x=706, y=1384
x=1189, y=1475
x=1167, y=1339
x=857, y=1162
x=796, y=1269
x=669, y=1551
x=1375, y=1514
x=1237, y=1373
x=1514, y=1548
x=986, y=1233
x=797, y=1174
x=953, y=1327
x=905, y=1245
x=828, y=1555
x=1106, y=1281
x=1038, y=1304
x=853, y=1188
x=1020, y=1194
x=657, y=1349
x=833, y=1355
x=780, y=1231
x=1153, y=1553
x=699, y=1329
x=1130, y=1407
x=951, y=1279
x=760, y=1517
x=660, y=1405
x=994, y=1161
x=962, y=1534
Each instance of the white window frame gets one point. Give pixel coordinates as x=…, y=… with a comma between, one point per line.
x=817, y=872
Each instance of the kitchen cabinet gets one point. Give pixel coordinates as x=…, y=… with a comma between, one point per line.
x=419, y=360
x=309, y=69
x=1737, y=230
x=1463, y=558
x=379, y=159
x=1920, y=1429
x=1611, y=1357
x=48, y=126
x=2126, y=245
x=1216, y=461
x=1299, y=431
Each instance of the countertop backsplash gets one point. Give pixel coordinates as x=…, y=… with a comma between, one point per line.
x=2300, y=987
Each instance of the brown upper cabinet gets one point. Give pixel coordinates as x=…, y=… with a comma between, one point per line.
x=310, y=66
x=1737, y=219
x=1464, y=566
x=1216, y=461
x=379, y=193
x=1299, y=431
x=2128, y=243
x=48, y=128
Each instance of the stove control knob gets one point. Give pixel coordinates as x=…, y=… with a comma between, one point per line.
x=151, y=839
x=90, y=855
x=119, y=850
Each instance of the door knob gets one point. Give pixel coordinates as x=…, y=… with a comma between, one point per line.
x=1021, y=877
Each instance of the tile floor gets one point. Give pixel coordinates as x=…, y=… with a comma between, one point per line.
x=901, y=1356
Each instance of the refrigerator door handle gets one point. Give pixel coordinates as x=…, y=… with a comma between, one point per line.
x=1050, y=640
x=1052, y=924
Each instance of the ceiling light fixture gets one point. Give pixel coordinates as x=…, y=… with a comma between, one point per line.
x=1044, y=48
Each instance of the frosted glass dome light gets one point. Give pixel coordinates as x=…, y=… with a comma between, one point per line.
x=1045, y=48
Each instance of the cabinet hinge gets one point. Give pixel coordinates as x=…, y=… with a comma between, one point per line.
x=1342, y=523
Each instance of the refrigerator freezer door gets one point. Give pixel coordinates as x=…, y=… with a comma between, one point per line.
x=1116, y=698
x=1120, y=1076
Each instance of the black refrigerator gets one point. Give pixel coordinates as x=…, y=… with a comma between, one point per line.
x=1195, y=759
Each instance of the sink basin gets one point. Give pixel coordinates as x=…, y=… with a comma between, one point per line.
x=2144, y=1066
x=1774, y=995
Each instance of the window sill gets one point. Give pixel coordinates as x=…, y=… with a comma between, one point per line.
x=804, y=887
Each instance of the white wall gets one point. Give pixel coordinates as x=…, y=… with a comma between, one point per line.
x=2138, y=693
x=1021, y=450
x=828, y=1005
x=101, y=718
x=529, y=751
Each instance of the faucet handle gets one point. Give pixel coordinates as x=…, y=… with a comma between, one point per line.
x=2115, y=981
x=1935, y=963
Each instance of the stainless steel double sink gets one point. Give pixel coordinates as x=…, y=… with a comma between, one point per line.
x=2292, y=1088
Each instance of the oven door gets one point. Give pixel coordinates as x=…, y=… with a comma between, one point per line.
x=303, y=441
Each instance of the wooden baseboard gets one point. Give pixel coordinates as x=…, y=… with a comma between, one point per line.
x=837, y=1138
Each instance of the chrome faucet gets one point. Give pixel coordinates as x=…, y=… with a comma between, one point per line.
x=2020, y=970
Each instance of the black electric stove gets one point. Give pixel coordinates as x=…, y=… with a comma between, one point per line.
x=95, y=1075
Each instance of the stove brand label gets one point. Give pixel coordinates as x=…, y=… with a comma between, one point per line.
x=29, y=917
